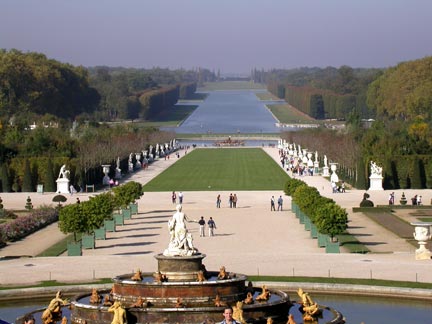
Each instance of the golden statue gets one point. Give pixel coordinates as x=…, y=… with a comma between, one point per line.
x=107, y=301
x=160, y=277
x=137, y=275
x=200, y=276
x=119, y=316
x=249, y=299
x=308, y=307
x=219, y=303
x=291, y=319
x=140, y=302
x=265, y=294
x=95, y=298
x=238, y=312
x=53, y=313
x=179, y=303
x=222, y=274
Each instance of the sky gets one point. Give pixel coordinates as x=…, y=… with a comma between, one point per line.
x=232, y=36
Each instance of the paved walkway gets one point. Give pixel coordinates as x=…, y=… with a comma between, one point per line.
x=249, y=239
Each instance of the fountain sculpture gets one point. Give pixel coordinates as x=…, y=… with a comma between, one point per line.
x=181, y=290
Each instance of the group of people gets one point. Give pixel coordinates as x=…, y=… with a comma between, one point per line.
x=273, y=204
x=338, y=188
x=232, y=200
x=211, y=226
x=174, y=197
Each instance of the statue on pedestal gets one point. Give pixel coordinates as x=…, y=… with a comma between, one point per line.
x=180, y=239
x=53, y=313
x=375, y=177
x=63, y=180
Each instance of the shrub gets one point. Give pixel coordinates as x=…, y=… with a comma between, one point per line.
x=25, y=225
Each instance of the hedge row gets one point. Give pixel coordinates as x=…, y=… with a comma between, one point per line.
x=324, y=213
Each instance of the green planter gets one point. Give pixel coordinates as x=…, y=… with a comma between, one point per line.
x=133, y=209
x=322, y=240
x=88, y=241
x=307, y=223
x=126, y=213
x=74, y=249
x=301, y=217
x=100, y=233
x=314, y=231
x=118, y=219
x=332, y=247
x=109, y=225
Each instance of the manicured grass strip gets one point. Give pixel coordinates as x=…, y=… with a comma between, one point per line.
x=58, y=248
x=348, y=281
x=214, y=169
x=54, y=283
x=231, y=85
x=288, y=115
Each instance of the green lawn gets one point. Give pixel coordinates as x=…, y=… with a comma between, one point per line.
x=288, y=115
x=231, y=85
x=221, y=169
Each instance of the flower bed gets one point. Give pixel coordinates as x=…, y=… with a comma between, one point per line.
x=24, y=225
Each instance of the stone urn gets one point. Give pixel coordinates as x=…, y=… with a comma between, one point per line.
x=422, y=234
x=403, y=200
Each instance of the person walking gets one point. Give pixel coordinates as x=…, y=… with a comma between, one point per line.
x=231, y=200
x=272, y=204
x=211, y=226
x=218, y=201
x=234, y=201
x=201, y=223
x=180, y=197
x=173, y=197
x=280, y=203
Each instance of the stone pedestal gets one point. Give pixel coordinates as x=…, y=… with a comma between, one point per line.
x=326, y=171
x=376, y=182
x=62, y=185
x=180, y=268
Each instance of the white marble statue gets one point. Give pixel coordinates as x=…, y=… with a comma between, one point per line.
x=325, y=160
x=63, y=172
x=181, y=242
x=375, y=169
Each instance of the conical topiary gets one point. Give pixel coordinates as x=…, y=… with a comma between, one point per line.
x=27, y=178
x=4, y=178
x=29, y=205
x=49, y=185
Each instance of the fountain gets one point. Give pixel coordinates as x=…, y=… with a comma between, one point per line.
x=181, y=290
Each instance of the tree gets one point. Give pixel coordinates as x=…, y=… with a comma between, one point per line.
x=127, y=193
x=27, y=178
x=72, y=220
x=4, y=178
x=49, y=177
x=96, y=210
x=332, y=219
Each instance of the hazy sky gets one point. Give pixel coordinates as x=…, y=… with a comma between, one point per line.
x=230, y=35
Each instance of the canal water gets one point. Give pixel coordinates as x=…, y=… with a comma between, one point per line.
x=230, y=112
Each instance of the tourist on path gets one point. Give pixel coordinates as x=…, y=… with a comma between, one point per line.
x=180, y=197
x=218, y=201
x=201, y=223
x=272, y=204
x=280, y=203
x=234, y=201
x=231, y=200
x=211, y=226
x=173, y=197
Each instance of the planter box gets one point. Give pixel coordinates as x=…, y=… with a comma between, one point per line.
x=74, y=249
x=127, y=214
x=109, y=225
x=322, y=240
x=100, y=233
x=332, y=247
x=307, y=223
x=314, y=231
x=301, y=217
x=118, y=219
x=88, y=241
x=133, y=209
